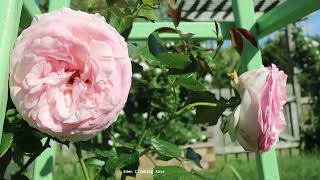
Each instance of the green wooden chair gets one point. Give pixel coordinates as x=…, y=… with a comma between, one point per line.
x=286, y=13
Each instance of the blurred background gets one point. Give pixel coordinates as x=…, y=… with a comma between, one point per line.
x=295, y=49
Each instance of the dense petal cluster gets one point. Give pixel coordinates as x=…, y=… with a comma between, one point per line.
x=70, y=74
x=260, y=117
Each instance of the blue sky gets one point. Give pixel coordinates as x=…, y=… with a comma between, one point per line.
x=312, y=24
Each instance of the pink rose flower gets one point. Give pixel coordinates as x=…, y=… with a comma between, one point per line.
x=70, y=74
x=260, y=117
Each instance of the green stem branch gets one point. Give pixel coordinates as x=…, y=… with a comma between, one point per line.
x=190, y=106
x=145, y=128
x=33, y=157
x=81, y=160
x=151, y=160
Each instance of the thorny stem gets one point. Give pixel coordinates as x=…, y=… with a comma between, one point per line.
x=81, y=160
x=153, y=162
x=190, y=106
x=33, y=157
x=145, y=128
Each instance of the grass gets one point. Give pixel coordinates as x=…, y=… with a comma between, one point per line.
x=296, y=167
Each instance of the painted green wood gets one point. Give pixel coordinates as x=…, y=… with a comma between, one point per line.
x=44, y=164
x=202, y=30
x=245, y=18
x=267, y=165
x=251, y=59
x=10, y=12
x=29, y=9
x=57, y=4
x=43, y=167
x=285, y=13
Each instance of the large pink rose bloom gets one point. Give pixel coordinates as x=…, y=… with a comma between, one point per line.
x=70, y=74
x=260, y=117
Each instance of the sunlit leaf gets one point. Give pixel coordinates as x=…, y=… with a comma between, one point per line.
x=190, y=83
x=166, y=148
x=94, y=162
x=163, y=157
x=6, y=142
x=174, y=60
x=105, y=153
x=147, y=13
x=151, y=2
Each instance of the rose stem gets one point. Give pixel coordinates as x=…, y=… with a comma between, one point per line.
x=144, y=129
x=81, y=160
x=33, y=157
x=190, y=106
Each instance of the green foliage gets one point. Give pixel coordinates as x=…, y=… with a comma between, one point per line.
x=128, y=159
x=166, y=148
x=168, y=84
x=206, y=114
x=190, y=83
x=307, y=58
x=190, y=154
x=174, y=60
x=155, y=45
x=6, y=142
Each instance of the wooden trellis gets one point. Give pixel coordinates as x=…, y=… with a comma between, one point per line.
x=287, y=12
x=219, y=10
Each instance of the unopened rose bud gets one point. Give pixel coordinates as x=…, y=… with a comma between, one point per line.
x=259, y=117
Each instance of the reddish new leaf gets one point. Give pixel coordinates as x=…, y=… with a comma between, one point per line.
x=236, y=36
x=167, y=30
x=236, y=40
x=175, y=14
x=171, y=30
x=217, y=28
x=248, y=35
x=186, y=35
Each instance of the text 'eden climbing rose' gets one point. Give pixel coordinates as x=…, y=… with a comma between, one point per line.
x=260, y=118
x=70, y=74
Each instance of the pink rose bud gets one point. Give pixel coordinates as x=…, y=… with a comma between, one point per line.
x=70, y=74
x=260, y=117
